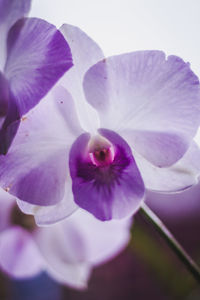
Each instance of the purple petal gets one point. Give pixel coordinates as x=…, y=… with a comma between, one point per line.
x=114, y=191
x=162, y=149
x=36, y=178
x=19, y=256
x=179, y=176
x=45, y=215
x=10, y=12
x=38, y=56
x=144, y=91
x=85, y=53
x=35, y=168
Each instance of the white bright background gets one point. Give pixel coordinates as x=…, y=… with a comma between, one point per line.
x=127, y=25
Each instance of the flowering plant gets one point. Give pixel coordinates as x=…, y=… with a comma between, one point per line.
x=107, y=132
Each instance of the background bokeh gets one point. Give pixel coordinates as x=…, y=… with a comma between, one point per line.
x=147, y=268
x=128, y=25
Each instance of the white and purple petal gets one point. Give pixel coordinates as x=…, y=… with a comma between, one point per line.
x=180, y=176
x=45, y=215
x=151, y=94
x=162, y=149
x=112, y=191
x=10, y=12
x=63, y=250
x=102, y=240
x=37, y=56
x=36, y=167
x=72, y=247
x=85, y=54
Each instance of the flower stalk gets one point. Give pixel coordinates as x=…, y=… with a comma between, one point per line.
x=194, y=269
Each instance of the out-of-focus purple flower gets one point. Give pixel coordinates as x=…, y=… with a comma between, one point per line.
x=133, y=133
x=67, y=250
x=33, y=56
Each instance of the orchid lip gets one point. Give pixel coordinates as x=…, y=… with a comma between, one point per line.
x=101, y=151
x=104, y=174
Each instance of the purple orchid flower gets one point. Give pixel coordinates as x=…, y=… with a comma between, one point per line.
x=111, y=129
x=67, y=251
x=33, y=56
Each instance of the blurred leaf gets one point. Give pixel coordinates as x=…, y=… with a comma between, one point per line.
x=147, y=244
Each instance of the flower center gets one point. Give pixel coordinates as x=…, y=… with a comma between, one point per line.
x=101, y=151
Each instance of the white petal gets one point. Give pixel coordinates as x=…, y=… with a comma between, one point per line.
x=85, y=53
x=179, y=176
x=146, y=91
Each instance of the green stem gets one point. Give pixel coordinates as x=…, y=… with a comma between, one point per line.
x=171, y=241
